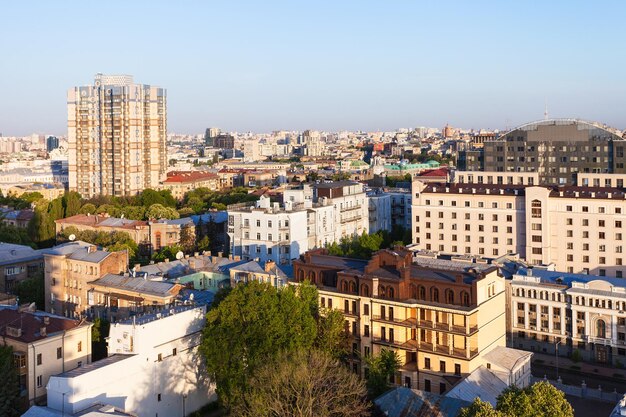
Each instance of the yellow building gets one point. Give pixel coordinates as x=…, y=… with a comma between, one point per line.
x=439, y=316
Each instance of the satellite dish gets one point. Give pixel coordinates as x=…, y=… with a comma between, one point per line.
x=72, y=237
x=180, y=255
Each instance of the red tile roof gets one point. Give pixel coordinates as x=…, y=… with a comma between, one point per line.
x=189, y=176
x=31, y=323
x=439, y=172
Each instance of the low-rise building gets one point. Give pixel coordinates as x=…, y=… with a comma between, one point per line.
x=69, y=270
x=154, y=368
x=267, y=272
x=439, y=316
x=43, y=345
x=179, y=183
x=17, y=263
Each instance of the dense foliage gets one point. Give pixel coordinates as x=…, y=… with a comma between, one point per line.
x=111, y=241
x=254, y=324
x=9, y=387
x=303, y=384
x=32, y=290
x=363, y=246
x=538, y=400
x=99, y=333
x=380, y=370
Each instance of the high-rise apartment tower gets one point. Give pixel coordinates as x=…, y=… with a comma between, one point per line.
x=117, y=136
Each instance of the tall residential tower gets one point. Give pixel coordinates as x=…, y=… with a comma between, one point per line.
x=117, y=136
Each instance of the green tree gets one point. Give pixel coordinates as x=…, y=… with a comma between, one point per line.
x=188, y=238
x=14, y=234
x=88, y=208
x=158, y=211
x=10, y=386
x=32, y=290
x=381, y=369
x=538, y=400
x=71, y=203
x=99, y=333
x=480, y=408
x=41, y=228
x=167, y=252
x=204, y=244
x=332, y=337
x=303, y=384
x=249, y=328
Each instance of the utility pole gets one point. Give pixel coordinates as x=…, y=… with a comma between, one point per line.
x=556, y=352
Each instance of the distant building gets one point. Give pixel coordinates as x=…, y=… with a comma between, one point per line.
x=224, y=141
x=210, y=134
x=52, y=143
x=154, y=368
x=180, y=183
x=557, y=149
x=150, y=235
x=49, y=191
x=267, y=272
x=117, y=136
x=379, y=210
x=43, y=345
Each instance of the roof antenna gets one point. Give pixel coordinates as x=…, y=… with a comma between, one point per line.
x=545, y=112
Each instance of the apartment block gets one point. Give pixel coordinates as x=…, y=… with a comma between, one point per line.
x=116, y=136
x=18, y=263
x=552, y=310
x=69, y=271
x=439, y=316
x=271, y=231
x=43, y=345
x=179, y=183
x=576, y=228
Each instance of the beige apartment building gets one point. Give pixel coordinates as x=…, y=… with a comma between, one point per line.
x=43, y=345
x=441, y=317
x=579, y=229
x=116, y=136
x=68, y=274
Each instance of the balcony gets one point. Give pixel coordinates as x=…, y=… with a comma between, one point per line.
x=600, y=340
x=449, y=328
x=448, y=350
x=410, y=344
x=345, y=209
x=410, y=322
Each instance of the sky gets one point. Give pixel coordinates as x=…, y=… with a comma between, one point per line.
x=326, y=65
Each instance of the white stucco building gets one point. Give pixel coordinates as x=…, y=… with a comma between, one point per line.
x=154, y=369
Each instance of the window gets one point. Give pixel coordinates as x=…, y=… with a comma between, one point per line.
x=366, y=309
x=39, y=359
x=258, y=223
x=174, y=352
x=158, y=397
x=39, y=381
x=457, y=369
x=535, y=209
x=366, y=330
x=59, y=353
x=427, y=385
x=426, y=363
x=160, y=357
x=442, y=387
x=442, y=366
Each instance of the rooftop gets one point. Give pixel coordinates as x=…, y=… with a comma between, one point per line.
x=189, y=176
x=139, y=285
x=30, y=324
x=81, y=370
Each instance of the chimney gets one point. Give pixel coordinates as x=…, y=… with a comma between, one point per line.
x=269, y=265
x=46, y=320
x=42, y=331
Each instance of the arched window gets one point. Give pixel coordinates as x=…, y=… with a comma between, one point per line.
x=413, y=291
x=434, y=295
x=381, y=291
x=422, y=293
x=353, y=287
x=535, y=209
x=344, y=286
x=301, y=275
x=311, y=277
x=465, y=298
x=601, y=329
x=390, y=292
x=365, y=290
x=449, y=297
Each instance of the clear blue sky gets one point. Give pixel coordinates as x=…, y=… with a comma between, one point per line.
x=333, y=65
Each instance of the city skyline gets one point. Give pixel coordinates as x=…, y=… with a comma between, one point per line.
x=328, y=67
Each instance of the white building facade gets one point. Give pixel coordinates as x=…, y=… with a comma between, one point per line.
x=155, y=369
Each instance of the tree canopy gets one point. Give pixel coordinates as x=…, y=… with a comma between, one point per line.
x=10, y=386
x=254, y=324
x=380, y=369
x=538, y=400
